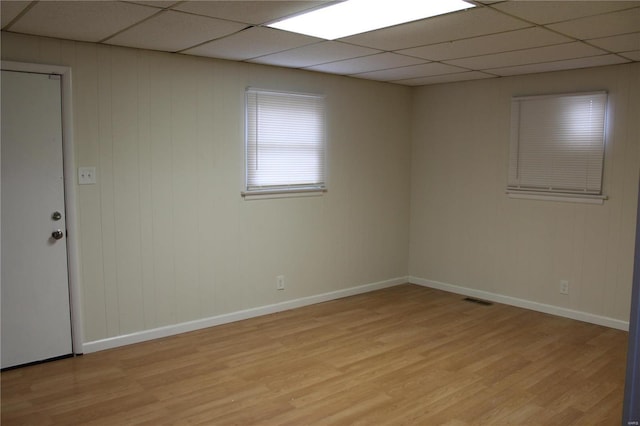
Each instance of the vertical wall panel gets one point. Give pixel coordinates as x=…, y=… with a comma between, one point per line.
x=145, y=201
x=126, y=187
x=87, y=129
x=23, y=48
x=49, y=51
x=224, y=242
x=577, y=279
x=107, y=224
x=184, y=92
x=563, y=247
x=461, y=218
x=163, y=226
x=207, y=215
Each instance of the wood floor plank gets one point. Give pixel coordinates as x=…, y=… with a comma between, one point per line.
x=405, y=355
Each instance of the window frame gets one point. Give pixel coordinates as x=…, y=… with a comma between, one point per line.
x=557, y=193
x=293, y=189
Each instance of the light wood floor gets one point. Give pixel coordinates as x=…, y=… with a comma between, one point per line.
x=405, y=355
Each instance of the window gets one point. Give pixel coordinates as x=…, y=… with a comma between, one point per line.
x=557, y=144
x=285, y=142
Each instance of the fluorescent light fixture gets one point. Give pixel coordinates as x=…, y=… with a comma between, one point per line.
x=358, y=16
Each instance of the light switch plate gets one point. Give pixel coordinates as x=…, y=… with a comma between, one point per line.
x=86, y=175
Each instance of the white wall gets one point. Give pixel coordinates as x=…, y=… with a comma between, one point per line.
x=165, y=235
x=466, y=232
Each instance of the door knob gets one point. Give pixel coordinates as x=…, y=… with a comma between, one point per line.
x=56, y=216
x=57, y=234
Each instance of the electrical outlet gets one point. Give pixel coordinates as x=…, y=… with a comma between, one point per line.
x=564, y=286
x=280, y=282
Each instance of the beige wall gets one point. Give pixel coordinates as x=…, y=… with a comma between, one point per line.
x=465, y=231
x=165, y=235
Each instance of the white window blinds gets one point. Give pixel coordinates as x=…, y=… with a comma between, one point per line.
x=557, y=143
x=285, y=141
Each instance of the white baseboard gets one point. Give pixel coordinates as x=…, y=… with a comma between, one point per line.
x=170, y=330
x=522, y=303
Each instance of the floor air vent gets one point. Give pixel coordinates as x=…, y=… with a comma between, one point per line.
x=478, y=301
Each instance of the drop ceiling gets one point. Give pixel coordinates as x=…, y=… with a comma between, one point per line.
x=494, y=39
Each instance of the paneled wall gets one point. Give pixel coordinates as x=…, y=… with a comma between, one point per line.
x=466, y=232
x=165, y=235
x=415, y=174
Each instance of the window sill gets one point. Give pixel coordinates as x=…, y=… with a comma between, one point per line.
x=283, y=193
x=567, y=198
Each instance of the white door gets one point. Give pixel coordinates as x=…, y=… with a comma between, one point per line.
x=35, y=316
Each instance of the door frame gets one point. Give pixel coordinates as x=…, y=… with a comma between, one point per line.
x=70, y=193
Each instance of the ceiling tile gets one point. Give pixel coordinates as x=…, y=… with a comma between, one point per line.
x=414, y=71
x=445, y=78
x=252, y=12
x=380, y=61
x=453, y=26
x=500, y=38
x=528, y=56
x=592, y=61
x=625, y=21
x=173, y=31
x=155, y=3
x=80, y=20
x=634, y=55
x=252, y=43
x=546, y=12
x=10, y=9
x=621, y=43
x=315, y=54
x=512, y=40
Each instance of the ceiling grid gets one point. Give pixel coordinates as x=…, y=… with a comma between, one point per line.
x=495, y=38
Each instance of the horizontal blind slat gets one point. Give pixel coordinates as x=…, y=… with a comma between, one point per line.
x=558, y=142
x=285, y=143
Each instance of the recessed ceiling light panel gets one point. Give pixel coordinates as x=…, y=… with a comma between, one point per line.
x=358, y=16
